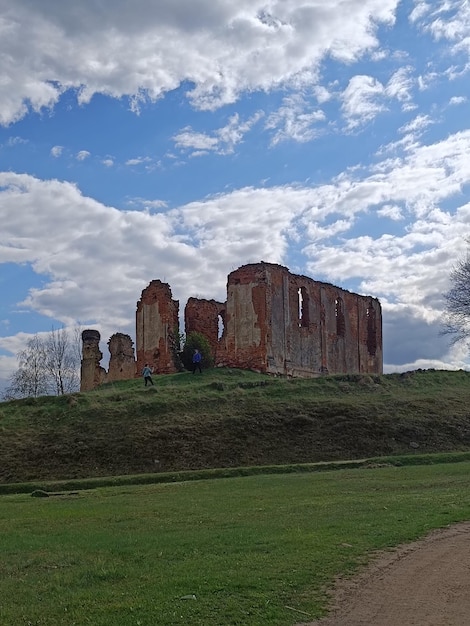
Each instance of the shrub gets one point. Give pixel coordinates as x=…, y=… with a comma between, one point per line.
x=196, y=340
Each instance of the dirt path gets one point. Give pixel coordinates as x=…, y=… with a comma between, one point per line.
x=425, y=583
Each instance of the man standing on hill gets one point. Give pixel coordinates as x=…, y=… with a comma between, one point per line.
x=147, y=374
x=197, y=358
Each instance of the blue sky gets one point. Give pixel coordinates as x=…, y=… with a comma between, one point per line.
x=180, y=139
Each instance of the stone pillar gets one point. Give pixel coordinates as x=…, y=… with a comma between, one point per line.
x=156, y=322
x=91, y=373
x=122, y=360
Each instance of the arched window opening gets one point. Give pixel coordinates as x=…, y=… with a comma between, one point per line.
x=304, y=320
x=340, y=321
x=371, y=330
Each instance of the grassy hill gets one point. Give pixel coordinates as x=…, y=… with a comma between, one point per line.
x=231, y=418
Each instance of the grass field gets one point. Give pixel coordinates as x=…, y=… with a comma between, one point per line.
x=250, y=551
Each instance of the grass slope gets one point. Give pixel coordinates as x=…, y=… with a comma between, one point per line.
x=231, y=418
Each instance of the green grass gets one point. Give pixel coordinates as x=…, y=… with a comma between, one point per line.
x=250, y=549
x=232, y=418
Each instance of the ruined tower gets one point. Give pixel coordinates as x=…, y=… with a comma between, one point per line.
x=156, y=322
x=91, y=373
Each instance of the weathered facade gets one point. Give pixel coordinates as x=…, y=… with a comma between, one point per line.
x=91, y=373
x=273, y=321
x=156, y=322
x=281, y=323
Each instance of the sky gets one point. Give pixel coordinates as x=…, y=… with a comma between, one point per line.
x=180, y=139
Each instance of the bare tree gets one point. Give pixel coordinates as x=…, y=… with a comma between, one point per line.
x=30, y=379
x=48, y=365
x=456, y=320
x=61, y=362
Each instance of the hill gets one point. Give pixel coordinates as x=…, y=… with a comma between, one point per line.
x=231, y=418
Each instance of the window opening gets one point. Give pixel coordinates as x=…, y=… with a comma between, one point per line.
x=340, y=321
x=371, y=330
x=220, y=326
x=303, y=307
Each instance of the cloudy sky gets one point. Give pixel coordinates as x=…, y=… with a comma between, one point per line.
x=180, y=139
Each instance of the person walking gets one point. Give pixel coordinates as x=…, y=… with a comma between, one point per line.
x=197, y=358
x=147, y=374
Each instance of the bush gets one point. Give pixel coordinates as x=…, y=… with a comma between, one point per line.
x=196, y=341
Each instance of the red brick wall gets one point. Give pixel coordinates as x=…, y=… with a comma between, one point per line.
x=283, y=323
x=202, y=316
x=156, y=321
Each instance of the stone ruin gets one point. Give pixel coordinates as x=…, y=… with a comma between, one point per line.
x=91, y=373
x=156, y=321
x=121, y=362
x=273, y=321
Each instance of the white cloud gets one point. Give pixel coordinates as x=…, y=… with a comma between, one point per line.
x=363, y=99
x=82, y=155
x=222, y=141
x=138, y=161
x=56, y=151
x=445, y=20
x=294, y=120
x=108, y=162
x=392, y=211
x=456, y=100
x=16, y=141
x=419, y=123
x=400, y=85
x=145, y=49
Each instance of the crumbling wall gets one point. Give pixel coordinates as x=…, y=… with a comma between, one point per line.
x=91, y=373
x=282, y=323
x=122, y=359
x=205, y=317
x=246, y=332
x=156, y=322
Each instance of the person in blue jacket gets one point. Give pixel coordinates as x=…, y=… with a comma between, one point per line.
x=197, y=358
x=147, y=374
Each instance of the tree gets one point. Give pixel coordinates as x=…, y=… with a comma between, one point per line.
x=30, y=378
x=456, y=320
x=192, y=341
x=47, y=366
x=176, y=340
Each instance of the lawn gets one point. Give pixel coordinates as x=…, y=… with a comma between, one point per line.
x=249, y=551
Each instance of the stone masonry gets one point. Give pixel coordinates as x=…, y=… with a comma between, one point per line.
x=122, y=359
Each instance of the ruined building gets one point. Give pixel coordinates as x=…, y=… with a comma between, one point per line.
x=273, y=321
x=281, y=323
x=121, y=362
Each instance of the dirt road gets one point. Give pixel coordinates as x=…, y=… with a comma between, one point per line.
x=425, y=583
